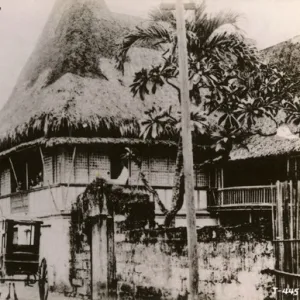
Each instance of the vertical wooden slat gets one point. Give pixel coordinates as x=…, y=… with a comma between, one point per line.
x=285, y=219
x=291, y=228
x=273, y=215
x=27, y=176
x=297, y=236
x=279, y=222
x=14, y=171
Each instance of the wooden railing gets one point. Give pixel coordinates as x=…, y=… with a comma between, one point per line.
x=263, y=195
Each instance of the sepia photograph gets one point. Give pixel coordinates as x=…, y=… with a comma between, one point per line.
x=149, y=150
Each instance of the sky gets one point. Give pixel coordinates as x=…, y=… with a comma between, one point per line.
x=21, y=21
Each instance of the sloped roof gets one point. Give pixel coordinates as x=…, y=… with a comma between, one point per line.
x=70, y=84
x=260, y=146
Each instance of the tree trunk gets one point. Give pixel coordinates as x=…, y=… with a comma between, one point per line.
x=154, y=193
x=178, y=188
x=177, y=191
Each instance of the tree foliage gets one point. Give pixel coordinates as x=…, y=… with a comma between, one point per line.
x=231, y=90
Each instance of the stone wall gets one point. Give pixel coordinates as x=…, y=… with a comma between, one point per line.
x=80, y=273
x=80, y=260
x=155, y=263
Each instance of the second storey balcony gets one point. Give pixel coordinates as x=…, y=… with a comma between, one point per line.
x=242, y=197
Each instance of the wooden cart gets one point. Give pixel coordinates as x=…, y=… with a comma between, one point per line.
x=20, y=255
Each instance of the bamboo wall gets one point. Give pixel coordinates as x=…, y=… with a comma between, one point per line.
x=5, y=184
x=63, y=165
x=82, y=167
x=286, y=233
x=160, y=172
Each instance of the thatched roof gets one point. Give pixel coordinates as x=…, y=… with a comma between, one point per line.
x=260, y=146
x=83, y=141
x=70, y=86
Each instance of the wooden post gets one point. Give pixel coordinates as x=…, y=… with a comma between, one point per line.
x=27, y=176
x=44, y=180
x=14, y=171
x=43, y=162
x=273, y=201
x=279, y=214
x=72, y=169
x=187, y=147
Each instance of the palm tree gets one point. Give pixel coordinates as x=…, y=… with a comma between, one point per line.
x=222, y=65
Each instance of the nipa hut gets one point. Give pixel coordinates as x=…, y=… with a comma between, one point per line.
x=64, y=122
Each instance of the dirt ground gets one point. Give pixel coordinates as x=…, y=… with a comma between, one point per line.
x=29, y=293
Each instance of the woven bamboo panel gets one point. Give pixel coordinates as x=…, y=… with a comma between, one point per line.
x=135, y=172
x=5, y=186
x=99, y=165
x=171, y=165
x=171, y=170
x=159, y=164
x=162, y=171
x=48, y=168
x=57, y=167
x=201, y=178
x=81, y=167
x=69, y=167
x=160, y=178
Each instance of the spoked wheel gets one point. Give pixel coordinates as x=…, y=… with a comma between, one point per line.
x=43, y=280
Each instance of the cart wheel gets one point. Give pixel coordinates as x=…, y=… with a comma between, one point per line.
x=43, y=280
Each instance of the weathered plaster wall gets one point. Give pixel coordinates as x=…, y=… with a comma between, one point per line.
x=55, y=247
x=230, y=264
x=153, y=264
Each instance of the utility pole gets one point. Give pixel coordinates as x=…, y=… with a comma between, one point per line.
x=187, y=147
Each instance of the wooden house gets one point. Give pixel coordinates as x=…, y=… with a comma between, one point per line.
x=246, y=185
x=64, y=125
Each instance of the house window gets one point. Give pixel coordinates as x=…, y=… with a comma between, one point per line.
x=26, y=172
x=116, y=166
x=18, y=175
x=201, y=177
x=117, y=163
x=99, y=165
x=35, y=173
